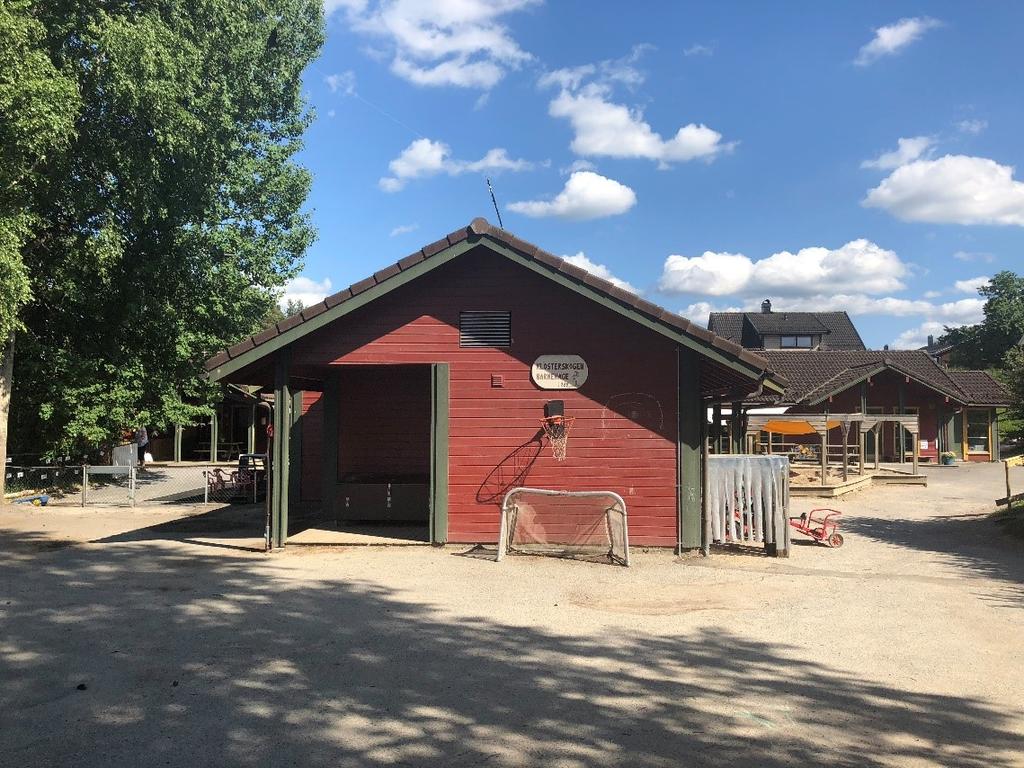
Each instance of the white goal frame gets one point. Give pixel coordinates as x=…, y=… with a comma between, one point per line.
x=617, y=508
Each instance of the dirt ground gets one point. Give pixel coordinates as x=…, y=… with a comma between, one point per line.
x=131, y=638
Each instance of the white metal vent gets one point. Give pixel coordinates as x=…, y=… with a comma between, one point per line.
x=485, y=329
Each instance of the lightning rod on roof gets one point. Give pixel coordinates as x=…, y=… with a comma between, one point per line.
x=495, y=202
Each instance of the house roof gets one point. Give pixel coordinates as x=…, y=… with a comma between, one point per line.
x=481, y=233
x=746, y=328
x=815, y=375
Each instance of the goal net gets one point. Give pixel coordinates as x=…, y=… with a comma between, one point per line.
x=576, y=524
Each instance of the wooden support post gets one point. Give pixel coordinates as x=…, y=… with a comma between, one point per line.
x=716, y=427
x=824, y=455
x=329, y=451
x=846, y=448
x=281, y=451
x=769, y=443
x=861, y=446
x=1009, y=495
x=901, y=443
x=917, y=444
x=878, y=440
x=738, y=438
x=178, y=430
x=691, y=415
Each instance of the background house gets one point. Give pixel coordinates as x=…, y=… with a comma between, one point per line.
x=828, y=370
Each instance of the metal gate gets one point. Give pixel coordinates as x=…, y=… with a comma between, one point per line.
x=748, y=502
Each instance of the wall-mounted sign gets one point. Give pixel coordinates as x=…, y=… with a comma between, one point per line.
x=559, y=371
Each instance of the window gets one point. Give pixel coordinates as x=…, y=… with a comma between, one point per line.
x=485, y=329
x=795, y=342
x=977, y=431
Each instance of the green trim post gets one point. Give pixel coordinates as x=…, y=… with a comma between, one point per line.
x=691, y=415
x=295, y=450
x=178, y=431
x=994, y=452
x=439, y=389
x=329, y=451
x=737, y=438
x=281, y=451
x=214, y=433
x=250, y=431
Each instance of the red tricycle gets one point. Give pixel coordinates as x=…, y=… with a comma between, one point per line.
x=821, y=528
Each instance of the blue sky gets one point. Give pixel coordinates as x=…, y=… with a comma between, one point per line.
x=841, y=156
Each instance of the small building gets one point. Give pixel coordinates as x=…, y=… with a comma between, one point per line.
x=957, y=409
x=426, y=383
x=786, y=330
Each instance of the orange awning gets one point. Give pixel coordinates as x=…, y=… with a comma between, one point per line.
x=781, y=427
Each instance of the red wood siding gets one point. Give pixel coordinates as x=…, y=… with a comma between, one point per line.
x=624, y=436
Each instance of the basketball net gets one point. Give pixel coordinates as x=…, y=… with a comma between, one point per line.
x=556, y=429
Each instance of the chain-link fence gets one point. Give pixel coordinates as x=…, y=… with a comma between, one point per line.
x=156, y=484
x=59, y=483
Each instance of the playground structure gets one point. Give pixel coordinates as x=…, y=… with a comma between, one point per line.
x=848, y=456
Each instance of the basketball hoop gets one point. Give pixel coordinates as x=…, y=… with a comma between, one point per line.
x=556, y=429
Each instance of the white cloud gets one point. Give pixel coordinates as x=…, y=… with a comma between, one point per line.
x=604, y=128
x=460, y=43
x=907, y=151
x=988, y=258
x=698, y=49
x=425, y=157
x=599, y=270
x=893, y=38
x=954, y=189
x=699, y=311
x=342, y=81
x=586, y=195
x=971, y=285
x=972, y=126
x=403, y=229
x=577, y=165
x=305, y=290
x=860, y=264
x=917, y=337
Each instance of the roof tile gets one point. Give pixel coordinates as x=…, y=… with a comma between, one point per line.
x=480, y=226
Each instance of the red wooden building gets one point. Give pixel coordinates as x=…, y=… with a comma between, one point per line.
x=421, y=383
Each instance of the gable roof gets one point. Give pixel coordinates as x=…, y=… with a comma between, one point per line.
x=815, y=375
x=481, y=233
x=746, y=328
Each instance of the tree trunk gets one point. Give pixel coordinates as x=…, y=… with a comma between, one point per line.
x=6, y=372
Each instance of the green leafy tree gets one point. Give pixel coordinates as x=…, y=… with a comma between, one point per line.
x=169, y=225
x=985, y=345
x=38, y=105
x=995, y=343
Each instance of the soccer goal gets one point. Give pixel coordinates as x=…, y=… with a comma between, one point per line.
x=578, y=524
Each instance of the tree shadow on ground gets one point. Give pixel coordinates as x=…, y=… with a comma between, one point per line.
x=973, y=542
x=197, y=660
x=239, y=524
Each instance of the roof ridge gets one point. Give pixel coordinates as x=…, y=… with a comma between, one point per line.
x=479, y=228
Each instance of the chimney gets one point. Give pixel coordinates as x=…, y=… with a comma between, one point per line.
x=931, y=341
x=766, y=306
x=886, y=347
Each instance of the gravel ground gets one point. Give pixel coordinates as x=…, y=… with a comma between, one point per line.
x=138, y=638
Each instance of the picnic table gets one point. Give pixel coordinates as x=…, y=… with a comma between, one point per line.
x=229, y=450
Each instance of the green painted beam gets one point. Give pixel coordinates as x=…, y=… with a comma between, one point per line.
x=329, y=442
x=691, y=415
x=178, y=430
x=281, y=451
x=214, y=433
x=439, y=391
x=295, y=450
x=250, y=431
